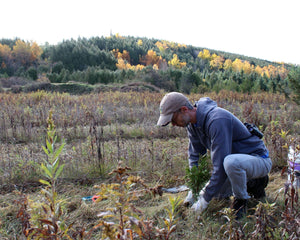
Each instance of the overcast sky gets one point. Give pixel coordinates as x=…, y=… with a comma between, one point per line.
x=266, y=29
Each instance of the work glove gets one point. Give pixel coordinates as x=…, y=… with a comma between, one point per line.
x=189, y=200
x=201, y=204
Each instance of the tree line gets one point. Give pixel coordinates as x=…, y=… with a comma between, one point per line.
x=167, y=65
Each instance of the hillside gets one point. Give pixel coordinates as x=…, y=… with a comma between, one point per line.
x=123, y=60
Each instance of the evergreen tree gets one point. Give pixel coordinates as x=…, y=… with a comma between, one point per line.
x=294, y=80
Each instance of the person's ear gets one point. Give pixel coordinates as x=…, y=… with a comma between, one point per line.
x=184, y=109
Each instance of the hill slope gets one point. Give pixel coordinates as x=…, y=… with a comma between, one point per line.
x=166, y=65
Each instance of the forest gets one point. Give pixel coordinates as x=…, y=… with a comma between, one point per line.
x=95, y=63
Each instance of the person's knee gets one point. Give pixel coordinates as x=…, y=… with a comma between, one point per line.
x=230, y=163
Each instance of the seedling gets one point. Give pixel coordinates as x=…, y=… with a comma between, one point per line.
x=196, y=177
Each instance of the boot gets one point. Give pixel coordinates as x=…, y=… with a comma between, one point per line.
x=256, y=187
x=240, y=206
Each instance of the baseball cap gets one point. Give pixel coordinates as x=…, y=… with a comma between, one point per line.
x=170, y=103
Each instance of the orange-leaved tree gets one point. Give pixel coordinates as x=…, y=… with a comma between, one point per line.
x=26, y=53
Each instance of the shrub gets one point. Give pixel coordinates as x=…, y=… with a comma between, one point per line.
x=37, y=86
x=32, y=73
x=73, y=88
x=9, y=82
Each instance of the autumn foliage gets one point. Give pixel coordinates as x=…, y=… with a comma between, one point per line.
x=22, y=54
x=150, y=59
x=167, y=65
x=238, y=65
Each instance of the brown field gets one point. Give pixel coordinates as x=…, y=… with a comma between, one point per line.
x=102, y=129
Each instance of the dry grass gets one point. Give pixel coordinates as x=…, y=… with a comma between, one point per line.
x=85, y=212
x=129, y=134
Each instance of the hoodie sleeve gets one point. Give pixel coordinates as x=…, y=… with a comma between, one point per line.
x=195, y=148
x=220, y=133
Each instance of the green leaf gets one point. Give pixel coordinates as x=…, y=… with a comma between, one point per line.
x=58, y=151
x=45, y=182
x=45, y=161
x=49, y=146
x=49, y=167
x=59, y=171
x=55, y=164
x=45, y=150
x=46, y=171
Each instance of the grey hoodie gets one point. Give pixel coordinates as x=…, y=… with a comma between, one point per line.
x=222, y=133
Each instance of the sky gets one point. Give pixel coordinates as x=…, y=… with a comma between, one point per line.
x=265, y=29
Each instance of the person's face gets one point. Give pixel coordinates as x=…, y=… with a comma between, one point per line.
x=181, y=119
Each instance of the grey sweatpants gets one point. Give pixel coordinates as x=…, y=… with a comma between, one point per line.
x=240, y=168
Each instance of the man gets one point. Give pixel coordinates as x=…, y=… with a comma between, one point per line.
x=238, y=157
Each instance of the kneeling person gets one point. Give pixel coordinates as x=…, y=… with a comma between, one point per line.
x=238, y=157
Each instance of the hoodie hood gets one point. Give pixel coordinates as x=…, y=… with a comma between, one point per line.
x=204, y=106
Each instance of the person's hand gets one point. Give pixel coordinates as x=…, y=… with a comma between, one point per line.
x=200, y=205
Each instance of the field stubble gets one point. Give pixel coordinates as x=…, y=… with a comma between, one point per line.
x=102, y=129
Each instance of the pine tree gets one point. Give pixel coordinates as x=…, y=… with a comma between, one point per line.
x=294, y=80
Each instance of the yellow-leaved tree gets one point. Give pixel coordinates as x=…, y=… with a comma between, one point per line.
x=175, y=62
x=122, y=64
x=140, y=42
x=125, y=55
x=162, y=46
x=259, y=70
x=151, y=58
x=36, y=51
x=237, y=65
x=247, y=67
x=217, y=62
x=227, y=64
x=205, y=54
x=26, y=53
x=5, y=55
